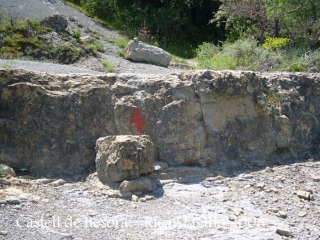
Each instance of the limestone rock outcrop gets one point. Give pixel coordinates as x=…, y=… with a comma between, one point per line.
x=49, y=124
x=142, y=52
x=124, y=157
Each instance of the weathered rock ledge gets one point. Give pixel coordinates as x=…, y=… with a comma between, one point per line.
x=50, y=123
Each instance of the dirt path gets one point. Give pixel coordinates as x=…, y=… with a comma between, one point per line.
x=44, y=67
x=194, y=203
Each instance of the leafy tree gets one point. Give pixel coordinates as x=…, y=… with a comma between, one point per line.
x=169, y=22
x=298, y=20
x=242, y=18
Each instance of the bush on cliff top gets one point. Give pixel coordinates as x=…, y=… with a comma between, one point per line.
x=250, y=55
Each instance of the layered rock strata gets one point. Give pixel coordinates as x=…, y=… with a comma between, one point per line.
x=50, y=123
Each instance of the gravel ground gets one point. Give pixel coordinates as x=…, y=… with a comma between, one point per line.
x=194, y=203
x=77, y=20
x=44, y=67
x=42, y=8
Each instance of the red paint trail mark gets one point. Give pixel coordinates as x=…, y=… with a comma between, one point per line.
x=138, y=120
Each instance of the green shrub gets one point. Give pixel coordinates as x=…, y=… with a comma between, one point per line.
x=1, y=166
x=121, y=42
x=246, y=53
x=182, y=51
x=9, y=41
x=96, y=46
x=34, y=24
x=98, y=36
x=67, y=54
x=242, y=54
x=108, y=65
x=105, y=9
x=297, y=67
x=313, y=61
x=217, y=62
x=179, y=60
x=13, y=43
x=19, y=38
x=207, y=50
x=121, y=53
x=17, y=26
x=275, y=43
x=76, y=34
x=294, y=52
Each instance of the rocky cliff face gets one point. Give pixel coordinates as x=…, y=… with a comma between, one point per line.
x=50, y=123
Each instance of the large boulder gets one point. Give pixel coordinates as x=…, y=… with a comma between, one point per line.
x=6, y=171
x=56, y=22
x=124, y=157
x=141, y=52
x=138, y=185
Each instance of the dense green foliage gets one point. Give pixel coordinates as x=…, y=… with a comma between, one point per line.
x=20, y=37
x=107, y=65
x=167, y=23
x=242, y=54
x=276, y=43
x=248, y=54
x=288, y=30
x=96, y=46
x=235, y=34
x=173, y=22
x=298, y=20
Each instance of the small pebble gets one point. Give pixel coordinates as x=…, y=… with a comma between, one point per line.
x=302, y=214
